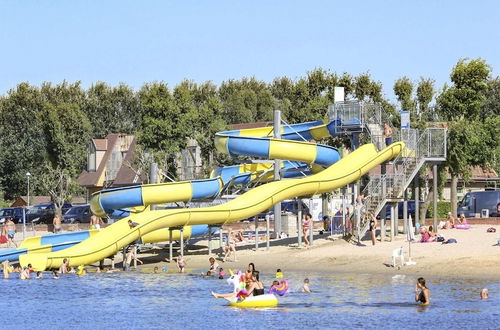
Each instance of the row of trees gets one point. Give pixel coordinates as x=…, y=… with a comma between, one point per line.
x=471, y=107
x=46, y=129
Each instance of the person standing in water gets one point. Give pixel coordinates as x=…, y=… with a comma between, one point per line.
x=484, y=294
x=422, y=293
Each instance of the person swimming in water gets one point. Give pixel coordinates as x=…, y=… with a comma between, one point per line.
x=422, y=293
x=484, y=294
x=305, y=286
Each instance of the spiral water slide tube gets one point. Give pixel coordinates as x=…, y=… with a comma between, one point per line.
x=336, y=173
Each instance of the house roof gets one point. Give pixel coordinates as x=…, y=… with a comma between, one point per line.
x=101, y=144
x=126, y=175
x=89, y=179
x=35, y=200
x=251, y=125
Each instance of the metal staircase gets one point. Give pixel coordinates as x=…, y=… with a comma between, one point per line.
x=430, y=145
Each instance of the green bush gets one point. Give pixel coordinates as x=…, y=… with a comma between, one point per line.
x=443, y=209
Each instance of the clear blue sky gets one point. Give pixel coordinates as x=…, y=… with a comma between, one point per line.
x=140, y=41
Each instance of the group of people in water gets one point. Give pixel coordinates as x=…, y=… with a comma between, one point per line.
x=252, y=283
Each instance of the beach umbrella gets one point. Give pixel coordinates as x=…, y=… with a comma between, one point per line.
x=410, y=237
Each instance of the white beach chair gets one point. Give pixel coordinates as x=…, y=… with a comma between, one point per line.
x=398, y=253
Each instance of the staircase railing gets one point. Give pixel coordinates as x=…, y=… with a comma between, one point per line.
x=431, y=144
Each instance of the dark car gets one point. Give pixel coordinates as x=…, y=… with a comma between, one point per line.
x=480, y=203
x=13, y=213
x=411, y=210
x=78, y=214
x=290, y=206
x=44, y=213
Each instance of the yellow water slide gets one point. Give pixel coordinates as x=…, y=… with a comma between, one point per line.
x=113, y=238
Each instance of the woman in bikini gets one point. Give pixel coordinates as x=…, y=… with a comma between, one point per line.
x=373, y=228
x=306, y=227
x=422, y=293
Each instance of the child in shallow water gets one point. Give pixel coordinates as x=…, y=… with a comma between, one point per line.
x=305, y=286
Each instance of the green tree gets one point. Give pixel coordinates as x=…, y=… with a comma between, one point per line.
x=425, y=94
x=462, y=104
x=21, y=140
x=112, y=109
x=403, y=88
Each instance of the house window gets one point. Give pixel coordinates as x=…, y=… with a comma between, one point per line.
x=92, y=158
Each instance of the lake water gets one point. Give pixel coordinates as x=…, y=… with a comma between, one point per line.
x=163, y=301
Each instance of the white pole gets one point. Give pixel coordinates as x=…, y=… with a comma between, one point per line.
x=277, y=176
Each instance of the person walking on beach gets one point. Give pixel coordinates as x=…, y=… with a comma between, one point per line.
x=306, y=227
x=10, y=228
x=230, y=247
x=422, y=293
x=373, y=228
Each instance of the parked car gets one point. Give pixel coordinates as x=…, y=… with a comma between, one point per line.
x=78, y=214
x=44, y=213
x=289, y=206
x=411, y=210
x=13, y=213
x=475, y=202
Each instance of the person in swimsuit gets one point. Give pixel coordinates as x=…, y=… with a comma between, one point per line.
x=255, y=286
x=249, y=271
x=213, y=266
x=64, y=267
x=306, y=227
x=11, y=232
x=373, y=228
x=57, y=223
x=484, y=294
x=39, y=275
x=387, y=134
x=305, y=286
x=230, y=247
x=181, y=264
x=422, y=293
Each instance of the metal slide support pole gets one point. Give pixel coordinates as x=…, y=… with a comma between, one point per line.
x=299, y=223
x=24, y=223
x=393, y=216
x=416, y=198
x=396, y=219
x=124, y=255
x=277, y=176
x=220, y=238
x=405, y=212
x=170, y=245
x=357, y=209
x=344, y=229
x=182, y=241
x=135, y=256
x=256, y=218
x=382, y=228
x=267, y=232
x=434, y=197
x=209, y=240
x=311, y=225
x=153, y=175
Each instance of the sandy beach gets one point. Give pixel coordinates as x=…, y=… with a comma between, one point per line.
x=474, y=256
